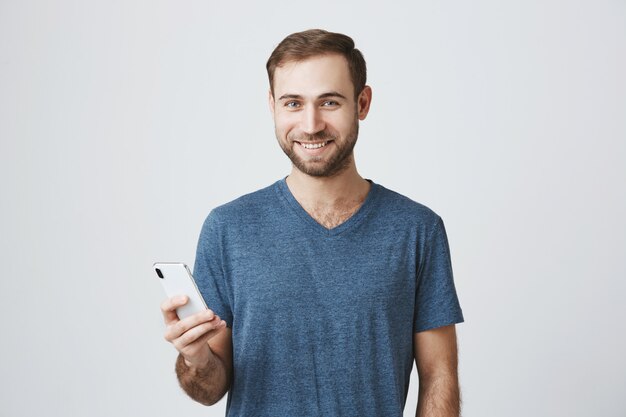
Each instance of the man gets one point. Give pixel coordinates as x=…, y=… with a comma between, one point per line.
x=324, y=287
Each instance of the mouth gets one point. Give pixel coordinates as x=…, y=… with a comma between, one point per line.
x=313, y=149
x=313, y=145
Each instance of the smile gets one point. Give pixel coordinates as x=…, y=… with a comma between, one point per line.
x=313, y=145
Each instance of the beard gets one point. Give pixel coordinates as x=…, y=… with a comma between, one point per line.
x=318, y=166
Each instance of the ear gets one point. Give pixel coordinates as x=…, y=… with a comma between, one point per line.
x=271, y=101
x=363, y=102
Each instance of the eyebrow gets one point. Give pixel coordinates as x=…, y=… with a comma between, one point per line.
x=299, y=97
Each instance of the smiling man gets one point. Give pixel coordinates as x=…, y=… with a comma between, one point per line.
x=323, y=288
x=317, y=127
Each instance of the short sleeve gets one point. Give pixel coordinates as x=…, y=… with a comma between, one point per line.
x=436, y=301
x=208, y=270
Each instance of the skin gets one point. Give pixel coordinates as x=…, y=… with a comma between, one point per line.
x=205, y=361
x=436, y=358
x=313, y=102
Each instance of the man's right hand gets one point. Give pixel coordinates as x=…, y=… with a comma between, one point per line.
x=190, y=335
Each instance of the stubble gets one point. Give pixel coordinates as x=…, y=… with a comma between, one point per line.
x=320, y=166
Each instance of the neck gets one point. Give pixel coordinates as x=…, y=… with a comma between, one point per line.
x=347, y=185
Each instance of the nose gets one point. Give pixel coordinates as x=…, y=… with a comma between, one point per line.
x=312, y=121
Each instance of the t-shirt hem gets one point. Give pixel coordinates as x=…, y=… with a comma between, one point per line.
x=442, y=323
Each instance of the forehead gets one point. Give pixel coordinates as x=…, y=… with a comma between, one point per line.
x=314, y=76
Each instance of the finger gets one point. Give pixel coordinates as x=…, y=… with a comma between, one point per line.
x=169, y=306
x=198, y=333
x=176, y=329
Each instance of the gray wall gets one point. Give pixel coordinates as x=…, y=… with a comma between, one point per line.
x=122, y=123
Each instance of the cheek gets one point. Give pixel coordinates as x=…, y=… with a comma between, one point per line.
x=342, y=124
x=283, y=129
x=284, y=123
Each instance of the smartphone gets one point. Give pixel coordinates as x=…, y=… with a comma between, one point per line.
x=177, y=280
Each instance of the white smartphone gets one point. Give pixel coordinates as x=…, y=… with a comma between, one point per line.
x=177, y=280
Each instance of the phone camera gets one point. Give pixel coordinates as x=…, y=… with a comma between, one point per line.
x=159, y=273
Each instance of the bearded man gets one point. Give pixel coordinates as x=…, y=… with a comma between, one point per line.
x=325, y=287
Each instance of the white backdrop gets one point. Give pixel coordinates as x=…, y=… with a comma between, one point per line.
x=122, y=123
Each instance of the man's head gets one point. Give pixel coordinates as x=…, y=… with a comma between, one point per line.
x=317, y=96
x=302, y=45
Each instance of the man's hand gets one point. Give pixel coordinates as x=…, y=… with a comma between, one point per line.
x=190, y=336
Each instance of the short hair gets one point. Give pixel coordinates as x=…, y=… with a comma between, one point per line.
x=302, y=45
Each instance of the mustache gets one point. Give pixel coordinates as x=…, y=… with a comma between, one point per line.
x=323, y=135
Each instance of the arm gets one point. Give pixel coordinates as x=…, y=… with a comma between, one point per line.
x=204, y=343
x=436, y=358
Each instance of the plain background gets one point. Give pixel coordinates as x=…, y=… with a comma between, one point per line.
x=122, y=123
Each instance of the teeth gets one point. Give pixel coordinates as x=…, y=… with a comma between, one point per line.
x=314, y=145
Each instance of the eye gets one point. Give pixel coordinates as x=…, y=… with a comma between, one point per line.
x=292, y=104
x=330, y=103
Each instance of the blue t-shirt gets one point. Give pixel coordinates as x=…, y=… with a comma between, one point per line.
x=323, y=320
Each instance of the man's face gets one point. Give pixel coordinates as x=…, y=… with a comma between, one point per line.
x=315, y=115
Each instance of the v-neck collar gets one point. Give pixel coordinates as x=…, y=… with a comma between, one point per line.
x=285, y=193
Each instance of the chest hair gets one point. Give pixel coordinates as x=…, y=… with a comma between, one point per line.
x=332, y=216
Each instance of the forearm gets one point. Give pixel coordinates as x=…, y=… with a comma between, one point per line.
x=207, y=385
x=439, y=397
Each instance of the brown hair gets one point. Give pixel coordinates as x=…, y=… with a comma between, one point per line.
x=302, y=45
